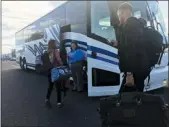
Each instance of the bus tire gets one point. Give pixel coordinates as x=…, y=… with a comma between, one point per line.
x=21, y=63
x=24, y=65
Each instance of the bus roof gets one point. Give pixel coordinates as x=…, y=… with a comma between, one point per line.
x=63, y=4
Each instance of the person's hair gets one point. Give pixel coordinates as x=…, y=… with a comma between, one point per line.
x=75, y=44
x=125, y=6
x=52, y=45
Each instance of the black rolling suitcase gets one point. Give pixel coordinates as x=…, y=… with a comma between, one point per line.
x=134, y=109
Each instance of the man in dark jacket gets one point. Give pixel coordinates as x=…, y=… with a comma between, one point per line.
x=130, y=50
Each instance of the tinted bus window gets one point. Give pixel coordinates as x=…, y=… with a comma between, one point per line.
x=26, y=34
x=76, y=12
x=36, y=35
x=100, y=20
x=19, y=38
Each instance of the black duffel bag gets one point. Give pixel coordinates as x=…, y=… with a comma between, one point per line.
x=134, y=109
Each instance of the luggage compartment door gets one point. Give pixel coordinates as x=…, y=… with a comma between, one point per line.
x=104, y=77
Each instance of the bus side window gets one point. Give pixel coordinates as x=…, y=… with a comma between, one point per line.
x=100, y=21
x=20, y=37
x=38, y=34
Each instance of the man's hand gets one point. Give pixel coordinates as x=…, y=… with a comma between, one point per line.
x=129, y=79
x=114, y=43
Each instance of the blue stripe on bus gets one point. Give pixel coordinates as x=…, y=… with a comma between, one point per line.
x=52, y=34
x=30, y=49
x=103, y=59
x=78, y=42
x=82, y=48
x=102, y=51
x=57, y=34
x=68, y=45
x=36, y=49
x=55, y=31
x=94, y=49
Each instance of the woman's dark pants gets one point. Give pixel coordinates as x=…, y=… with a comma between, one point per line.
x=58, y=85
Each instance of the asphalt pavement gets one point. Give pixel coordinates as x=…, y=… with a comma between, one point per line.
x=23, y=96
x=23, y=102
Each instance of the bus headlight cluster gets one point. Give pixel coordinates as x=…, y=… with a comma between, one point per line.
x=165, y=83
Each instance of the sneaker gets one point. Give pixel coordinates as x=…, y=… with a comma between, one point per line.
x=60, y=105
x=48, y=104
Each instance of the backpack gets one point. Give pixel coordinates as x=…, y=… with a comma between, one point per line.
x=149, y=47
x=150, y=43
x=153, y=42
x=46, y=62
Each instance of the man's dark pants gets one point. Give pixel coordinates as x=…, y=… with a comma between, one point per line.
x=138, y=81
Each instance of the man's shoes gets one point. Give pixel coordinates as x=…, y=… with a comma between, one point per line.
x=60, y=105
x=48, y=104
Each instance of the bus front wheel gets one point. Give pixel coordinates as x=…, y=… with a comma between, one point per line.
x=24, y=65
x=21, y=63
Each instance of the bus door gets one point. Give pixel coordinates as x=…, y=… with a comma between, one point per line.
x=159, y=24
x=63, y=49
x=104, y=77
x=159, y=74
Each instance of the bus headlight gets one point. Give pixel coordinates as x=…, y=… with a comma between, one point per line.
x=165, y=83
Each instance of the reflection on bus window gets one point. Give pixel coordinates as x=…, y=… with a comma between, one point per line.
x=137, y=14
x=139, y=9
x=37, y=35
x=100, y=20
x=32, y=35
x=52, y=22
x=19, y=38
x=157, y=17
x=148, y=23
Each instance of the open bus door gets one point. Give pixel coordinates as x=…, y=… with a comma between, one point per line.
x=63, y=52
x=104, y=77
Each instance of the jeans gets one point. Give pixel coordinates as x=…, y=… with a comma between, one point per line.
x=58, y=84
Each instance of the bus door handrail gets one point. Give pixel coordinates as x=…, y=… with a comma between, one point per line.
x=158, y=24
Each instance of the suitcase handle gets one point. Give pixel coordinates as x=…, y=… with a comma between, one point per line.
x=137, y=99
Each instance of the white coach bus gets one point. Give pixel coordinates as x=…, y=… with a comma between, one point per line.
x=91, y=25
